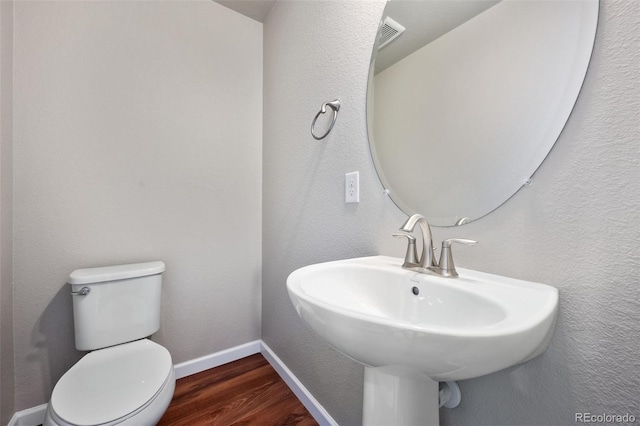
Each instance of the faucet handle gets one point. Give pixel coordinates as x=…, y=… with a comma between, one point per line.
x=411, y=257
x=447, y=243
x=446, y=266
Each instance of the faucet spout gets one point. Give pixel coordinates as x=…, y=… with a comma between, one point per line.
x=427, y=259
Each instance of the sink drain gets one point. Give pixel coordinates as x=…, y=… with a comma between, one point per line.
x=415, y=290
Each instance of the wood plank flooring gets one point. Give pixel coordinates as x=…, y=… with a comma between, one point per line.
x=243, y=392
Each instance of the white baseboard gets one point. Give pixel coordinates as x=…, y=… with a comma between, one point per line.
x=311, y=404
x=206, y=362
x=35, y=416
x=30, y=417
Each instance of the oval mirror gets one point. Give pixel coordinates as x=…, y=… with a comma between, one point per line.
x=467, y=98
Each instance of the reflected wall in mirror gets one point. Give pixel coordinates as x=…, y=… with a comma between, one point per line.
x=466, y=103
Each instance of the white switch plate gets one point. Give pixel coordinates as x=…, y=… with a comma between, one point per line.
x=352, y=187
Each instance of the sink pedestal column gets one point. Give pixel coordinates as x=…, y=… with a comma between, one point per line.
x=399, y=396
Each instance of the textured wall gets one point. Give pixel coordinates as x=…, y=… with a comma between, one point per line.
x=7, y=385
x=137, y=137
x=315, y=52
x=575, y=228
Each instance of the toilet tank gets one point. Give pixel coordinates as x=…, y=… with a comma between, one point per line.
x=115, y=304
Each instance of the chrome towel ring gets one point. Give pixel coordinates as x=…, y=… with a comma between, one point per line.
x=335, y=106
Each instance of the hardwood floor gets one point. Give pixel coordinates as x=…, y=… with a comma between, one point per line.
x=243, y=392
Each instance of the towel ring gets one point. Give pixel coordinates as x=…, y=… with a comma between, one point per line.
x=335, y=106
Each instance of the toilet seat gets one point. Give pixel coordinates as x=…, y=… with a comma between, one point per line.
x=109, y=385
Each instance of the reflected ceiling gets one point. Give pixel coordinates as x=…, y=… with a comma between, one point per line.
x=254, y=9
x=425, y=21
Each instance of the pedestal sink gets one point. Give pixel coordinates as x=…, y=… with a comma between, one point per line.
x=411, y=330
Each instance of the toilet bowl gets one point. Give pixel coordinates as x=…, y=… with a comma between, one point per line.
x=129, y=384
x=126, y=379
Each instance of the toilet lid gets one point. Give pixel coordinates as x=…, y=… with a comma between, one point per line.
x=111, y=383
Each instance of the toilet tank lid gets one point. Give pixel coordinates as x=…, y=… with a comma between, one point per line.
x=117, y=272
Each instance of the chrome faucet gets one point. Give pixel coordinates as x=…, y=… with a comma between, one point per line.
x=427, y=263
x=427, y=259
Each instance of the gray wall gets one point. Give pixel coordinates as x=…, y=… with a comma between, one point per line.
x=112, y=156
x=137, y=137
x=7, y=384
x=575, y=228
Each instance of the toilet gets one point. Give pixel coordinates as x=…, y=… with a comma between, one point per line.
x=126, y=379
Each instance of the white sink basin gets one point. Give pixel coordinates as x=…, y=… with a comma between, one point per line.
x=453, y=329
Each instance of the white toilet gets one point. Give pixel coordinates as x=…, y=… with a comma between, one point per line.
x=126, y=379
